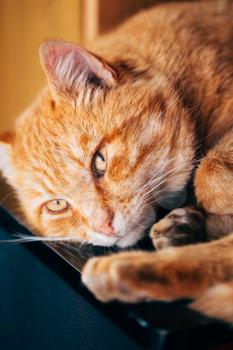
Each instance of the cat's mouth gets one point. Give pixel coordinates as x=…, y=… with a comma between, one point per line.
x=127, y=234
x=120, y=239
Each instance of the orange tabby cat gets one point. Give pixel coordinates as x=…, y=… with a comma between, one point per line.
x=116, y=133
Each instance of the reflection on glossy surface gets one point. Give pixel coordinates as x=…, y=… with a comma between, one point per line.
x=77, y=255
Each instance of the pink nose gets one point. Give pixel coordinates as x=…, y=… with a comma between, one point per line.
x=106, y=228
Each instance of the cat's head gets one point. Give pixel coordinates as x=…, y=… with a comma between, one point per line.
x=98, y=149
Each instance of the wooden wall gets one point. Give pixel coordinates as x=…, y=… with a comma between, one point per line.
x=24, y=24
x=102, y=15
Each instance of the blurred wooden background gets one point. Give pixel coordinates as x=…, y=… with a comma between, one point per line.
x=23, y=26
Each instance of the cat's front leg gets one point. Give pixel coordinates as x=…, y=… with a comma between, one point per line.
x=129, y=277
x=178, y=272
x=180, y=227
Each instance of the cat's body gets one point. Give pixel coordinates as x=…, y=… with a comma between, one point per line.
x=118, y=133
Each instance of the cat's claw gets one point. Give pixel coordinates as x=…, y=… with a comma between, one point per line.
x=181, y=226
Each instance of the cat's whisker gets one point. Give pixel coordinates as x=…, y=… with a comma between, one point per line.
x=163, y=178
x=7, y=196
x=155, y=177
x=152, y=200
x=157, y=198
x=22, y=238
x=151, y=192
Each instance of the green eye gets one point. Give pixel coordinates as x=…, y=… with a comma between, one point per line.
x=100, y=162
x=57, y=206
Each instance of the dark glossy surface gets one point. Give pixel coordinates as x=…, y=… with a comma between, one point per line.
x=43, y=305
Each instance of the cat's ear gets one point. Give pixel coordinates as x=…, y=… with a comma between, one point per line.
x=70, y=68
x=6, y=140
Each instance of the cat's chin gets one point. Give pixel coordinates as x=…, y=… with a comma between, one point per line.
x=127, y=240
x=102, y=240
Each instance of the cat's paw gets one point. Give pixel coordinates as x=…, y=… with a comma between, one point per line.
x=181, y=226
x=128, y=277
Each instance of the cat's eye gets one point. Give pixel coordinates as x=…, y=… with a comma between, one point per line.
x=57, y=206
x=100, y=162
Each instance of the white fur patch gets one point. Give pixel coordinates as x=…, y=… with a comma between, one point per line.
x=6, y=166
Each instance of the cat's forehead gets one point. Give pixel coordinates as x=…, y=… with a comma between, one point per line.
x=57, y=119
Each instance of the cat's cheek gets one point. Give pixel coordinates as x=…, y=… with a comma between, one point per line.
x=131, y=238
x=136, y=232
x=57, y=225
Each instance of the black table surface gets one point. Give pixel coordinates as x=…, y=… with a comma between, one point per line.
x=43, y=305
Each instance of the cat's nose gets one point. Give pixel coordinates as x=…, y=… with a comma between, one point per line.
x=105, y=226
